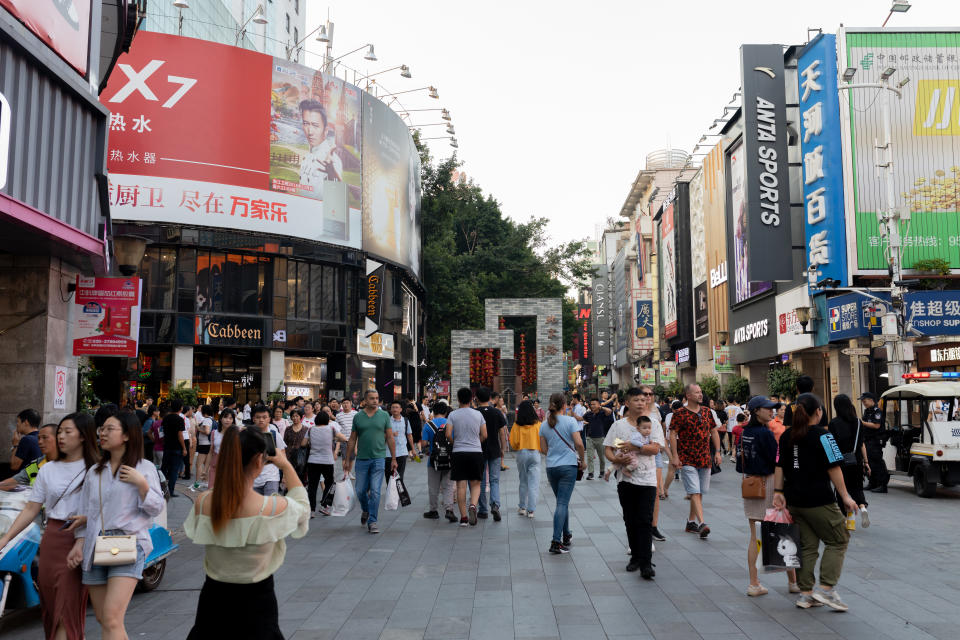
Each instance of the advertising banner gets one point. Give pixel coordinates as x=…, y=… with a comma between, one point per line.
x=668, y=272
x=648, y=375
x=391, y=186
x=374, y=297
x=668, y=371
x=64, y=25
x=585, y=351
x=107, y=312
x=601, y=319
x=621, y=307
x=743, y=288
x=701, y=319
x=767, y=187
x=851, y=315
x=930, y=313
x=926, y=144
x=941, y=355
x=722, y=362
x=821, y=142
x=644, y=310
x=378, y=345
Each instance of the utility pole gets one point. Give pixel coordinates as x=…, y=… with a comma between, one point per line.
x=892, y=323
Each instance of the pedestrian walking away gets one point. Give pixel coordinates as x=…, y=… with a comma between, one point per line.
x=525, y=440
x=850, y=436
x=243, y=535
x=57, y=490
x=467, y=429
x=441, y=489
x=809, y=463
x=637, y=490
x=561, y=443
x=371, y=436
x=596, y=423
x=323, y=437
x=692, y=431
x=493, y=447
x=756, y=457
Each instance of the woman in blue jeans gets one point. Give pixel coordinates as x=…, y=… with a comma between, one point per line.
x=525, y=440
x=560, y=441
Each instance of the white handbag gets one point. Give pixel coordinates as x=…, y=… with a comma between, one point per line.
x=110, y=551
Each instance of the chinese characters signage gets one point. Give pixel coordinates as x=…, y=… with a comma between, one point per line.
x=767, y=186
x=107, y=312
x=852, y=315
x=644, y=331
x=941, y=355
x=820, y=143
x=668, y=371
x=722, y=363
x=925, y=130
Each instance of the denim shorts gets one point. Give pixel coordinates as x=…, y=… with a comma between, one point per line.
x=695, y=479
x=100, y=575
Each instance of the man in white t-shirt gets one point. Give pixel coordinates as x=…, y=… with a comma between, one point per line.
x=345, y=422
x=268, y=482
x=637, y=491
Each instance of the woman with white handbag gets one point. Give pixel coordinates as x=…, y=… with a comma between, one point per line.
x=121, y=496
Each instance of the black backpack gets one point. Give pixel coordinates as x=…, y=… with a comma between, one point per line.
x=442, y=449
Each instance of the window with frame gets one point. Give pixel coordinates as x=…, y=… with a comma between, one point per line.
x=315, y=292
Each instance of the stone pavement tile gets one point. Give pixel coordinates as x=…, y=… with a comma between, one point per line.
x=611, y=604
x=623, y=623
x=401, y=634
x=493, y=582
x=361, y=629
x=763, y=630
x=575, y=614
x=314, y=634
x=716, y=623
x=581, y=631
x=607, y=587
x=447, y=627
x=373, y=609
x=297, y=610
x=535, y=627
x=692, y=603
x=493, y=599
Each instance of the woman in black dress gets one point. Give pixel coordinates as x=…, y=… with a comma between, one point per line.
x=848, y=432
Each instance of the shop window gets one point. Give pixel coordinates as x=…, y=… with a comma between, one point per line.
x=158, y=271
x=317, y=302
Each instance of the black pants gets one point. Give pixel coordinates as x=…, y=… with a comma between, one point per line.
x=637, y=503
x=401, y=467
x=172, y=463
x=853, y=478
x=314, y=473
x=879, y=476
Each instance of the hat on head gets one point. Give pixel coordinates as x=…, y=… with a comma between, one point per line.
x=761, y=402
x=867, y=395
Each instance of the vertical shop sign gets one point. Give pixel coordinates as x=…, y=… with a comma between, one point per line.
x=767, y=180
x=601, y=320
x=374, y=292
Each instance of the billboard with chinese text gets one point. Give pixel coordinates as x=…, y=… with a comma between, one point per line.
x=107, y=312
x=259, y=144
x=926, y=143
x=668, y=272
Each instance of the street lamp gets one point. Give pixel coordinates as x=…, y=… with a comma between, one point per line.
x=898, y=6
x=128, y=251
x=804, y=317
x=180, y=6
x=432, y=92
x=258, y=17
x=404, y=73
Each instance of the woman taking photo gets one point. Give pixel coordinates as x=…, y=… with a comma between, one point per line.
x=525, y=440
x=809, y=462
x=322, y=438
x=298, y=446
x=57, y=489
x=228, y=418
x=756, y=456
x=560, y=442
x=244, y=533
x=848, y=432
x=121, y=496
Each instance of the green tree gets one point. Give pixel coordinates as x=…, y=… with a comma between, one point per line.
x=473, y=252
x=189, y=396
x=782, y=381
x=738, y=388
x=710, y=385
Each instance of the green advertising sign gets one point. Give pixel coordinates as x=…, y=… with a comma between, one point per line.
x=668, y=371
x=722, y=363
x=925, y=132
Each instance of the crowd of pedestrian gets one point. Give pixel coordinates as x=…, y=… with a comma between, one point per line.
x=260, y=473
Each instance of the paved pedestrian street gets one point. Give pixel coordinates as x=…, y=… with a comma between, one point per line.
x=434, y=580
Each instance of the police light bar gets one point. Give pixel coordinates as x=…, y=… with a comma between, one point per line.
x=935, y=375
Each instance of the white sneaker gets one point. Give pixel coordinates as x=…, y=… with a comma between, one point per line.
x=830, y=598
x=353, y=476
x=864, y=518
x=530, y=514
x=521, y=512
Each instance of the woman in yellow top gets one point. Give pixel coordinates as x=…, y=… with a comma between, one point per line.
x=525, y=440
x=244, y=536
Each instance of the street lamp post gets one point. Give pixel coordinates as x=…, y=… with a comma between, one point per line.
x=258, y=17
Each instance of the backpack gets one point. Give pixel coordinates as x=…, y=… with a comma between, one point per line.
x=442, y=450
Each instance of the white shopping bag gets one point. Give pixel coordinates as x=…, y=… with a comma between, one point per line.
x=393, y=494
x=343, y=497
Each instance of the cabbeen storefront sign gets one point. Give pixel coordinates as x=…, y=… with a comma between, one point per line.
x=821, y=145
x=925, y=128
x=209, y=135
x=230, y=331
x=765, y=134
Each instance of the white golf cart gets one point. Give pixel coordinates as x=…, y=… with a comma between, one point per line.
x=927, y=443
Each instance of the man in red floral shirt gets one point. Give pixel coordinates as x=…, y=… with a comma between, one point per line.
x=692, y=427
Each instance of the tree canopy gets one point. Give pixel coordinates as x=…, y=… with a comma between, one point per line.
x=472, y=252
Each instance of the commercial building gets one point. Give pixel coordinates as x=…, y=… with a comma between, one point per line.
x=281, y=206
x=54, y=214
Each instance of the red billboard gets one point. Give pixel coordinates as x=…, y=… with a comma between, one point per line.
x=64, y=25
x=107, y=312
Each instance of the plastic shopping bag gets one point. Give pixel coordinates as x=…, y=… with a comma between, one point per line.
x=404, y=494
x=343, y=497
x=393, y=494
x=780, y=541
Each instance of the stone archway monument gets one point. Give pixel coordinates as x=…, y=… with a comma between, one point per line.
x=549, y=315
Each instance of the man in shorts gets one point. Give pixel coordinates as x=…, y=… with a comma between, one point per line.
x=467, y=429
x=692, y=428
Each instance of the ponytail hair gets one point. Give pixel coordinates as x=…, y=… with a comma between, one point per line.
x=807, y=405
x=557, y=400
x=236, y=452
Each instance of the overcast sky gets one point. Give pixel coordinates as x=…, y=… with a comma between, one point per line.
x=557, y=103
